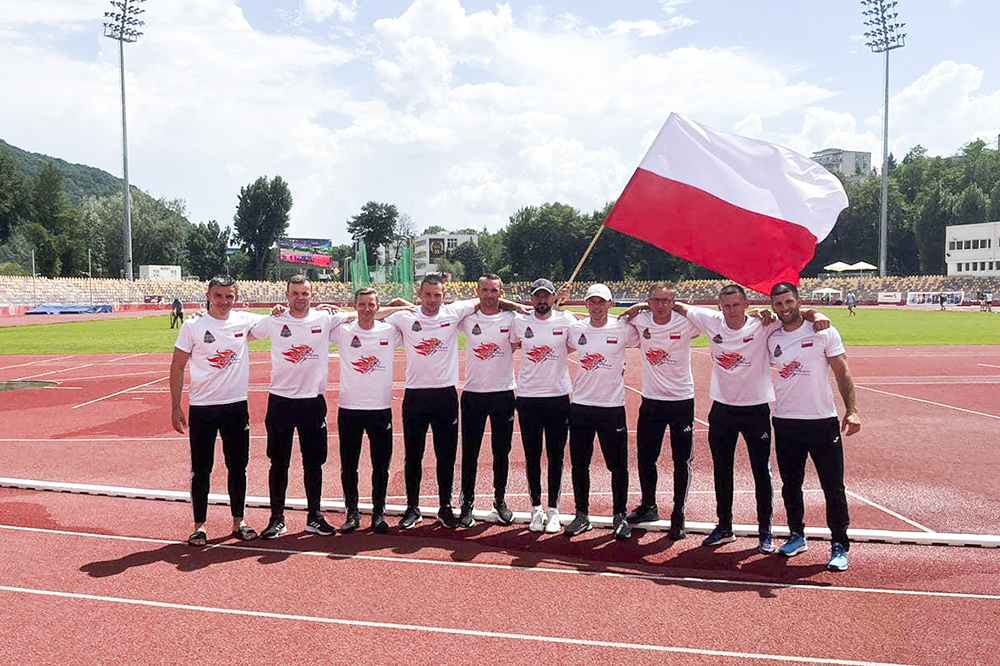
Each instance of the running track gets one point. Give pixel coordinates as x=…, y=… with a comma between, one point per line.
x=103, y=580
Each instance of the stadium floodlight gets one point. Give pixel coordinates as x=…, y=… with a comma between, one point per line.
x=883, y=35
x=122, y=25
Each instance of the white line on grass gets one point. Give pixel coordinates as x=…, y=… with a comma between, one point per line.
x=930, y=402
x=520, y=568
x=91, y=402
x=889, y=511
x=450, y=631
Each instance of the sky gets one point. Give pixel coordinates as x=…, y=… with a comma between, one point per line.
x=461, y=112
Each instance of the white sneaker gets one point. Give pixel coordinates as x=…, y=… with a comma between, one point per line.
x=552, y=525
x=537, y=523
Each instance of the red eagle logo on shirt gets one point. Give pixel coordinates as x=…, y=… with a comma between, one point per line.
x=789, y=369
x=222, y=359
x=297, y=354
x=428, y=346
x=729, y=360
x=486, y=351
x=657, y=356
x=366, y=364
x=592, y=361
x=540, y=354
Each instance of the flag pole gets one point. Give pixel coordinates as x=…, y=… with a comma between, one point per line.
x=586, y=254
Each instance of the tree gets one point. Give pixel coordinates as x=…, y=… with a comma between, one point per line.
x=545, y=241
x=47, y=262
x=261, y=219
x=470, y=257
x=453, y=268
x=13, y=195
x=207, y=248
x=375, y=225
x=936, y=213
x=434, y=229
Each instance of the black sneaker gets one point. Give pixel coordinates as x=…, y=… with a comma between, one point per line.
x=504, y=515
x=410, y=518
x=274, y=529
x=446, y=516
x=352, y=523
x=642, y=514
x=579, y=525
x=622, y=530
x=379, y=526
x=676, y=531
x=719, y=536
x=318, y=525
x=465, y=518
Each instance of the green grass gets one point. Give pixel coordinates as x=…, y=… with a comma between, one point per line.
x=888, y=327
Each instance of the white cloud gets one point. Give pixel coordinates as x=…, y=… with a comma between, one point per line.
x=321, y=10
x=643, y=28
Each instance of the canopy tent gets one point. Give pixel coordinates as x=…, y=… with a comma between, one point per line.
x=863, y=266
x=840, y=267
x=826, y=291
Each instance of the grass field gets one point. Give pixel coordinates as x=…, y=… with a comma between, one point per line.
x=886, y=327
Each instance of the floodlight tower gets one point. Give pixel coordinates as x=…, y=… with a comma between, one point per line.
x=123, y=24
x=883, y=36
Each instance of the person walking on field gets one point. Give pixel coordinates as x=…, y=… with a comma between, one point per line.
x=216, y=346
x=805, y=420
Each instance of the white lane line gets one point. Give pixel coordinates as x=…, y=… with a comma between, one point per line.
x=452, y=631
x=45, y=374
x=133, y=373
x=930, y=402
x=91, y=402
x=889, y=511
x=987, y=365
x=122, y=358
x=520, y=568
x=45, y=360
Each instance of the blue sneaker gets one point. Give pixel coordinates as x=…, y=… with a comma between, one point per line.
x=719, y=536
x=796, y=544
x=838, y=558
x=767, y=544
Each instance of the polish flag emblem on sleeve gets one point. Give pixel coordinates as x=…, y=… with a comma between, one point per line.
x=750, y=210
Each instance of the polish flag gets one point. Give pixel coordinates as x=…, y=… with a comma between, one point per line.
x=750, y=210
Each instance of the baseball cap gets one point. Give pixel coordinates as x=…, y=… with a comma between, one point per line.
x=599, y=290
x=542, y=283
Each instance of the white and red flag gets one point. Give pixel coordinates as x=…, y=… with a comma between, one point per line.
x=750, y=210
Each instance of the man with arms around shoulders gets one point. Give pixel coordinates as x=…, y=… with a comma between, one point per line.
x=488, y=392
x=667, y=402
x=430, y=338
x=216, y=346
x=366, y=349
x=740, y=389
x=598, y=408
x=296, y=400
x=543, y=387
x=805, y=420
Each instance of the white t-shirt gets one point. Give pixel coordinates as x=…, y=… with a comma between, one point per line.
x=544, y=372
x=220, y=361
x=300, y=352
x=600, y=381
x=804, y=390
x=489, y=361
x=431, y=344
x=666, y=356
x=366, y=364
x=741, y=374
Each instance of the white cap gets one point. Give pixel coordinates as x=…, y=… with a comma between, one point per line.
x=600, y=290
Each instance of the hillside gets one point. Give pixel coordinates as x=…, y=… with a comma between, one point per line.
x=79, y=180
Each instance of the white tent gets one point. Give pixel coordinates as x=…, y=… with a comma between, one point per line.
x=827, y=291
x=838, y=267
x=862, y=266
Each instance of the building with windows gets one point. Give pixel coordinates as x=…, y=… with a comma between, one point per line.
x=971, y=249
x=430, y=248
x=854, y=166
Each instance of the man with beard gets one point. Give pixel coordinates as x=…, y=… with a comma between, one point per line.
x=805, y=420
x=543, y=398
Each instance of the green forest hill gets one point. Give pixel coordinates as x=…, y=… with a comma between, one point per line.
x=79, y=180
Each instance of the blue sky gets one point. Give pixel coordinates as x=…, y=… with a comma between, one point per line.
x=463, y=111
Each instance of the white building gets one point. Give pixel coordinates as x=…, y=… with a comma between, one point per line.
x=971, y=249
x=430, y=248
x=852, y=165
